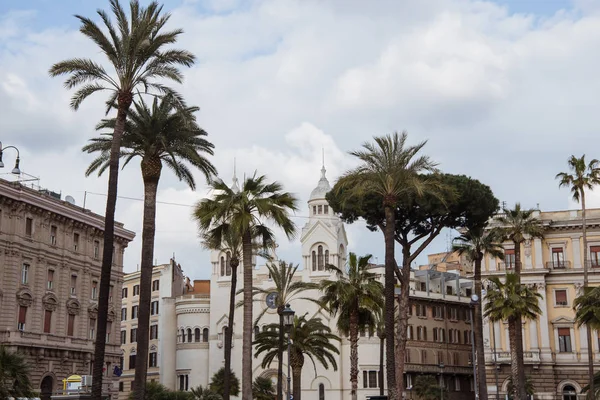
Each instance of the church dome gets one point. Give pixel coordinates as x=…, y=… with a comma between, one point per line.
x=322, y=188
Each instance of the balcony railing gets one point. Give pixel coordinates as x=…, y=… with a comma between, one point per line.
x=502, y=266
x=594, y=264
x=559, y=265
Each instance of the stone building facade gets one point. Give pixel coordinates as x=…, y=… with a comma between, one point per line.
x=50, y=261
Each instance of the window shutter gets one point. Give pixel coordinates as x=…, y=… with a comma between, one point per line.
x=71, y=325
x=594, y=249
x=47, y=321
x=564, y=332
x=22, y=314
x=561, y=296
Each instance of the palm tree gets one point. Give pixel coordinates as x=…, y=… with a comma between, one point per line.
x=354, y=296
x=287, y=290
x=586, y=389
x=246, y=210
x=309, y=337
x=474, y=243
x=583, y=176
x=516, y=225
x=14, y=375
x=513, y=302
x=262, y=389
x=135, y=48
x=380, y=329
x=391, y=169
x=427, y=388
x=160, y=134
x=587, y=312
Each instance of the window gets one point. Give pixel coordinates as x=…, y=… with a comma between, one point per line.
x=320, y=208
x=569, y=393
x=457, y=384
x=134, y=312
x=564, y=340
x=152, y=359
x=189, y=335
x=326, y=257
x=468, y=337
x=47, y=321
x=73, y=285
x=197, y=334
x=314, y=210
x=423, y=356
x=25, y=274
x=123, y=314
x=108, y=331
x=53, y=231
x=440, y=357
x=110, y=293
x=136, y=290
x=123, y=337
x=454, y=314
x=70, y=325
x=96, y=249
x=154, y=308
x=407, y=355
x=409, y=310
x=595, y=256
x=132, y=362
x=92, y=328
x=509, y=258
x=28, y=227
x=155, y=285
x=435, y=335
x=153, y=332
x=560, y=297
x=121, y=386
x=222, y=266
x=455, y=359
x=183, y=382
x=94, y=290
x=314, y=261
x=50, y=279
x=558, y=257
x=421, y=333
x=370, y=379
x=321, y=391
x=257, y=331
x=205, y=335
x=75, y=241
x=133, y=335
x=438, y=312
x=325, y=209
x=423, y=286
x=409, y=332
x=228, y=264
x=320, y=265
x=124, y=293
x=409, y=381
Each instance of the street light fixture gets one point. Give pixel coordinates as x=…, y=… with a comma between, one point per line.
x=16, y=169
x=288, y=321
x=474, y=302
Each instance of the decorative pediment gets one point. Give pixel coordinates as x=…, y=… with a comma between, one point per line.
x=110, y=317
x=222, y=322
x=73, y=307
x=50, y=302
x=562, y=320
x=93, y=311
x=153, y=347
x=24, y=297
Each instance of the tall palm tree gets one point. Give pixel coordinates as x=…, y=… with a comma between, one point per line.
x=287, y=289
x=136, y=51
x=309, y=337
x=587, y=312
x=583, y=176
x=391, y=169
x=14, y=375
x=517, y=225
x=224, y=238
x=474, y=243
x=509, y=300
x=246, y=211
x=354, y=297
x=158, y=134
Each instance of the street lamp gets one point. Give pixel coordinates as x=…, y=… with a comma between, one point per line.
x=474, y=302
x=441, y=365
x=16, y=169
x=496, y=366
x=288, y=321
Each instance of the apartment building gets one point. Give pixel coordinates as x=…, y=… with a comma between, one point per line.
x=50, y=262
x=556, y=350
x=168, y=283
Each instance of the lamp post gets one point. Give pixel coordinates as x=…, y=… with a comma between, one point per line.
x=288, y=321
x=496, y=366
x=474, y=302
x=441, y=365
x=16, y=169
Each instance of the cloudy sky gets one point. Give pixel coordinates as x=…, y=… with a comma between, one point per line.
x=504, y=91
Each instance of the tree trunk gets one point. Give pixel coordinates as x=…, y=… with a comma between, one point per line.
x=478, y=329
x=354, y=352
x=229, y=334
x=514, y=360
x=151, y=176
x=591, y=391
x=390, y=265
x=519, y=381
x=296, y=382
x=247, y=331
x=381, y=357
x=280, y=354
x=401, y=336
x=124, y=101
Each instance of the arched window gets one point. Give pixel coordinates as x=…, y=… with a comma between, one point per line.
x=183, y=335
x=222, y=266
x=569, y=393
x=189, y=335
x=341, y=257
x=228, y=265
x=256, y=330
x=197, y=335
x=314, y=261
x=321, y=391
x=320, y=255
x=205, y=335
x=326, y=257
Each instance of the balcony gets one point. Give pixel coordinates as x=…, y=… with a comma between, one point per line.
x=558, y=265
x=594, y=265
x=503, y=357
x=502, y=266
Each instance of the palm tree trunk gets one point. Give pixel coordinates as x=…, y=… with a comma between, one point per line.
x=148, y=234
x=354, y=352
x=401, y=336
x=296, y=382
x=247, y=331
x=381, y=356
x=478, y=328
x=124, y=101
x=514, y=360
x=390, y=265
x=519, y=381
x=585, y=285
x=280, y=355
x=229, y=333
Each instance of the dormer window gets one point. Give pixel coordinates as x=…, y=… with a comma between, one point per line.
x=320, y=208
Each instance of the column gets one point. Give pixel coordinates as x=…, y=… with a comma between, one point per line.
x=544, y=333
x=527, y=252
x=583, y=345
x=576, y=253
x=497, y=333
x=534, y=335
x=537, y=248
x=492, y=263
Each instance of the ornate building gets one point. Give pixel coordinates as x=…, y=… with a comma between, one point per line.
x=50, y=259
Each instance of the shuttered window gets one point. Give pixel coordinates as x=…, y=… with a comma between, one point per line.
x=71, y=325
x=560, y=297
x=22, y=318
x=47, y=321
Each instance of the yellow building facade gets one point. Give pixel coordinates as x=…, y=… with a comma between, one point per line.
x=555, y=348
